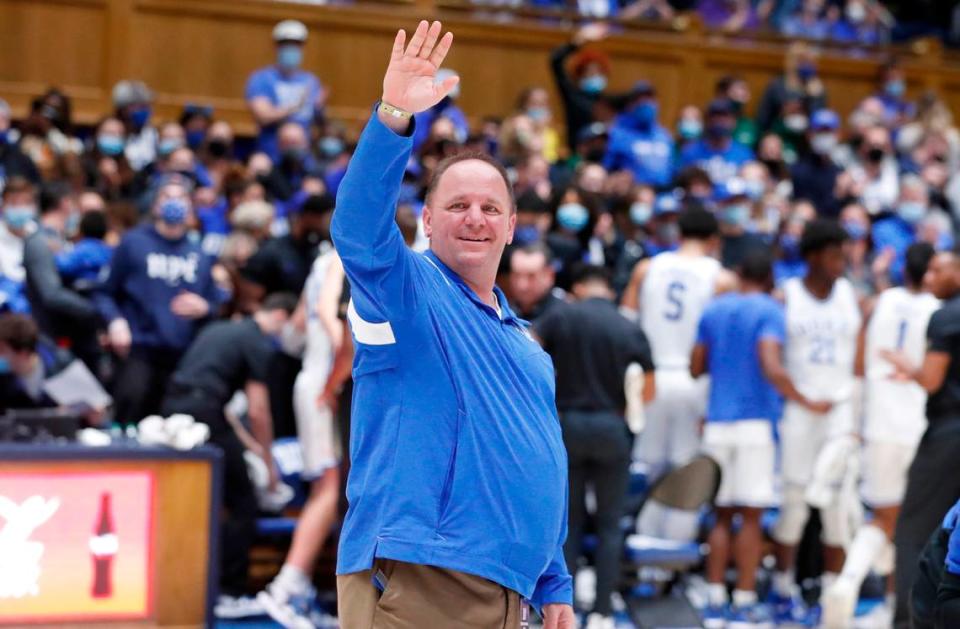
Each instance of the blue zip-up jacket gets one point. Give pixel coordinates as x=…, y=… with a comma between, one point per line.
x=648, y=154
x=147, y=271
x=457, y=460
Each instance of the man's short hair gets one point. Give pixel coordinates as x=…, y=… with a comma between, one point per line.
x=757, y=267
x=93, y=225
x=531, y=249
x=280, y=301
x=17, y=185
x=697, y=223
x=52, y=195
x=19, y=332
x=581, y=273
x=918, y=258
x=821, y=233
x=318, y=204
x=464, y=156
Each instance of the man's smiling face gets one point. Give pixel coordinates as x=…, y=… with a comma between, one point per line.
x=469, y=218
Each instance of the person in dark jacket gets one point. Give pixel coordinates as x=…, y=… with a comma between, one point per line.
x=61, y=313
x=814, y=176
x=935, y=595
x=158, y=293
x=26, y=360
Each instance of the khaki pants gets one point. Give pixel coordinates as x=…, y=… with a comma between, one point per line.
x=424, y=597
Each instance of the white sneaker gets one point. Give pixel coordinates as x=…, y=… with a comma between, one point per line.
x=230, y=607
x=289, y=609
x=598, y=621
x=839, y=603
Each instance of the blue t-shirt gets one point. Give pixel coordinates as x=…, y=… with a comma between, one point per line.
x=283, y=90
x=647, y=154
x=896, y=234
x=720, y=165
x=85, y=260
x=731, y=328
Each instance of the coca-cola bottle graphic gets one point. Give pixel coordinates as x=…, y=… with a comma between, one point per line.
x=103, y=548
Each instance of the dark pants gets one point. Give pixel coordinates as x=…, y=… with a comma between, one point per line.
x=238, y=528
x=281, y=375
x=140, y=383
x=933, y=486
x=598, y=448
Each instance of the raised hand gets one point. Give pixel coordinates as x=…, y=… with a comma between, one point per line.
x=409, y=81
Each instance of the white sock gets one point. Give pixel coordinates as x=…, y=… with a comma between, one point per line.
x=784, y=582
x=292, y=578
x=868, y=543
x=744, y=598
x=827, y=579
x=717, y=594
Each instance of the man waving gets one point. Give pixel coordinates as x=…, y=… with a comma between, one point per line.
x=458, y=483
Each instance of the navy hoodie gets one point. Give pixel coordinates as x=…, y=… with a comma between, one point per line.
x=147, y=271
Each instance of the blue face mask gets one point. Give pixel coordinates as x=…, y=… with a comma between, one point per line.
x=640, y=213
x=538, y=114
x=911, y=211
x=690, y=129
x=174, y=211
x=290, y=56
x=719, y=131
x=331, y=146
x=644, y=115
x=895, y=88
x=72, y=225
x=526, y=234
x=195, y=139
x=110, y=145
x=140, y=117
x=855, y=230
x=790, y=247
x=168, y=146
x=573, y=216
x=593, y=84
x=754, y=189
x=5, y=365
x=18, y=216
x=806, y=71
x=738, y=215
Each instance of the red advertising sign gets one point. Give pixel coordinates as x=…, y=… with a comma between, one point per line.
x=75, y=546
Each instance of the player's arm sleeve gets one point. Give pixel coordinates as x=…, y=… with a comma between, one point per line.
x=364, y=229
x=555, y=585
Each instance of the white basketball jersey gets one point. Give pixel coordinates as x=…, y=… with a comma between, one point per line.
x=821, y=340
x=318, y=352
x=674, y=294
x=895, y=409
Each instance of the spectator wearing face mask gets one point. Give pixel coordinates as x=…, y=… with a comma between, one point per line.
x=717, y=153
x=735, y=89
x=634, y=216
x=46, y=137
x=735, y=216
x=283, y=92
x=799, y=79
x=689, y=128
x=575, y=217
x=132, y=102
x=196, y=120
x=583, y=86
x=157, y=293
x=814, y=175
x=897, y=232
x=105, y=164
x=868, y=273
x=638, y=144
x=13, y=162
x=892, y=92
x=294, y=165
x=19, y=221
x=874, y=176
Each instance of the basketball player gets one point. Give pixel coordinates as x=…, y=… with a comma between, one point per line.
x=289, y=597
x=670, y=292
x=823, y=322
x=893, y=424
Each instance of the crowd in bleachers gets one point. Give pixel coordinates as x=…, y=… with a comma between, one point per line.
x=120, y=243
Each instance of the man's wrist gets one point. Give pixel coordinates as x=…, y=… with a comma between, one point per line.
x=394, y=118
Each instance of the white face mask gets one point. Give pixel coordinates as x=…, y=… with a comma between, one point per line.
x=796, y=123
x=856, y=12
x=823, y=143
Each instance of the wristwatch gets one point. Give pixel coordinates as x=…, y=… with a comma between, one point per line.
x=394, y=112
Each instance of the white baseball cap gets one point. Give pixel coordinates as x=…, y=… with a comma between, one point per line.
x=290, y=30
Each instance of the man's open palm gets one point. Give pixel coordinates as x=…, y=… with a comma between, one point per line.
x=409, y=83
